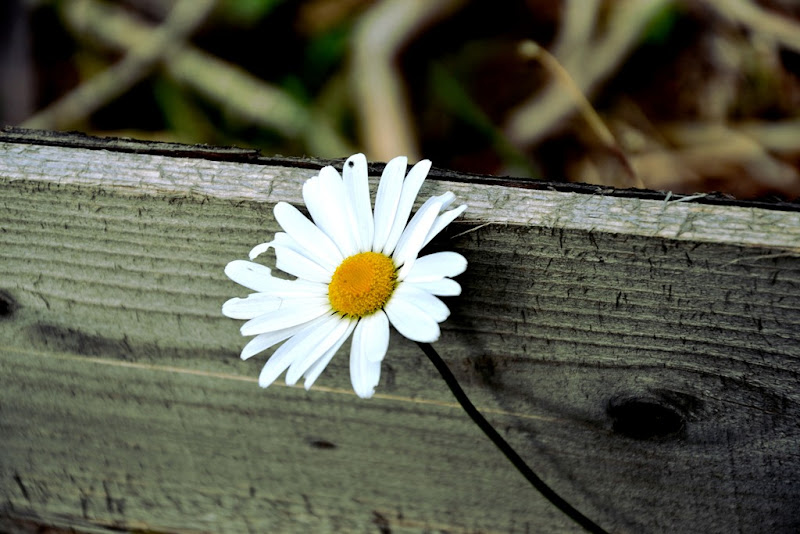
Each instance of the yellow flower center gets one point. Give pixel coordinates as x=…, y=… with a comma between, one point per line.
x=362, y=284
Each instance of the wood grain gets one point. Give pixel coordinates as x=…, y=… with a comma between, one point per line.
x=641, y=355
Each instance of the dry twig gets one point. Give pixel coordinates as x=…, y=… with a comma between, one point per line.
x=751, y=15
x=233, y=89
x=589, y=64
x=138, y=62
x=532, y=50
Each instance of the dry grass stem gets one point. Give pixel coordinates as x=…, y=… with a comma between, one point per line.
x=234, y=90
x=138, y=62
x=382, y=104
x=532, y=50
x=592, y=62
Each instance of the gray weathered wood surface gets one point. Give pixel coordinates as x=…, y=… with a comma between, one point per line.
x=642, y=356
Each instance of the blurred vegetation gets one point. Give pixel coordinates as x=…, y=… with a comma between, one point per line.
x=694, y=95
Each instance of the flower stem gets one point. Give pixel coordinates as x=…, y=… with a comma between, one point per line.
x=503, y=445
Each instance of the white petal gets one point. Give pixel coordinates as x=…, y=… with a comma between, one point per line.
x=315, y=370
x=436, y=266
x=327, y=203
x=308, y=236
x=258, y=250
x=254, y=305
x=327, y=334
x=356, y=184
x=279, y=237
x=283, y=239
x=375, y=335
x=389, y=189
x=364, y=374
x=319, y=208
x=425, y=208
x=445, y=198
x=411, y=186
x=297, y=288
x=412, y=322
x=339, y=207
x=259, y=278
x=301, y=311
x=294, y=259
x=432, y=306
x=264, y=341
x=443, y=287
x=251, y=275
x=282, y=358
x=411, y=241
x=294, y=263
x=442, y=221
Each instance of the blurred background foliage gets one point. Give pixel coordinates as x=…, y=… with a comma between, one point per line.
x=687, y=96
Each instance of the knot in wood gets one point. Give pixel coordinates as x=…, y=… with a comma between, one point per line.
x=7, y=305
x=646, y=417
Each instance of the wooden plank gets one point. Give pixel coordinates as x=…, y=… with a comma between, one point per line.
x=641, y=355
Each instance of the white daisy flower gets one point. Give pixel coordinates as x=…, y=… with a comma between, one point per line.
x=356, y=271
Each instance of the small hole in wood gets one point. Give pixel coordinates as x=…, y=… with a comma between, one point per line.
x=7, y=305
x=321, y=444
x=645, y=418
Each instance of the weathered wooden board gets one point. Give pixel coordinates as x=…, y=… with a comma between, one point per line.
x=642, y=356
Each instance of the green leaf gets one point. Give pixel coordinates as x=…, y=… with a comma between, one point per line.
x=246, y=12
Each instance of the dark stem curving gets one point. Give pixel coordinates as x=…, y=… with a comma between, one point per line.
x=503, y=445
